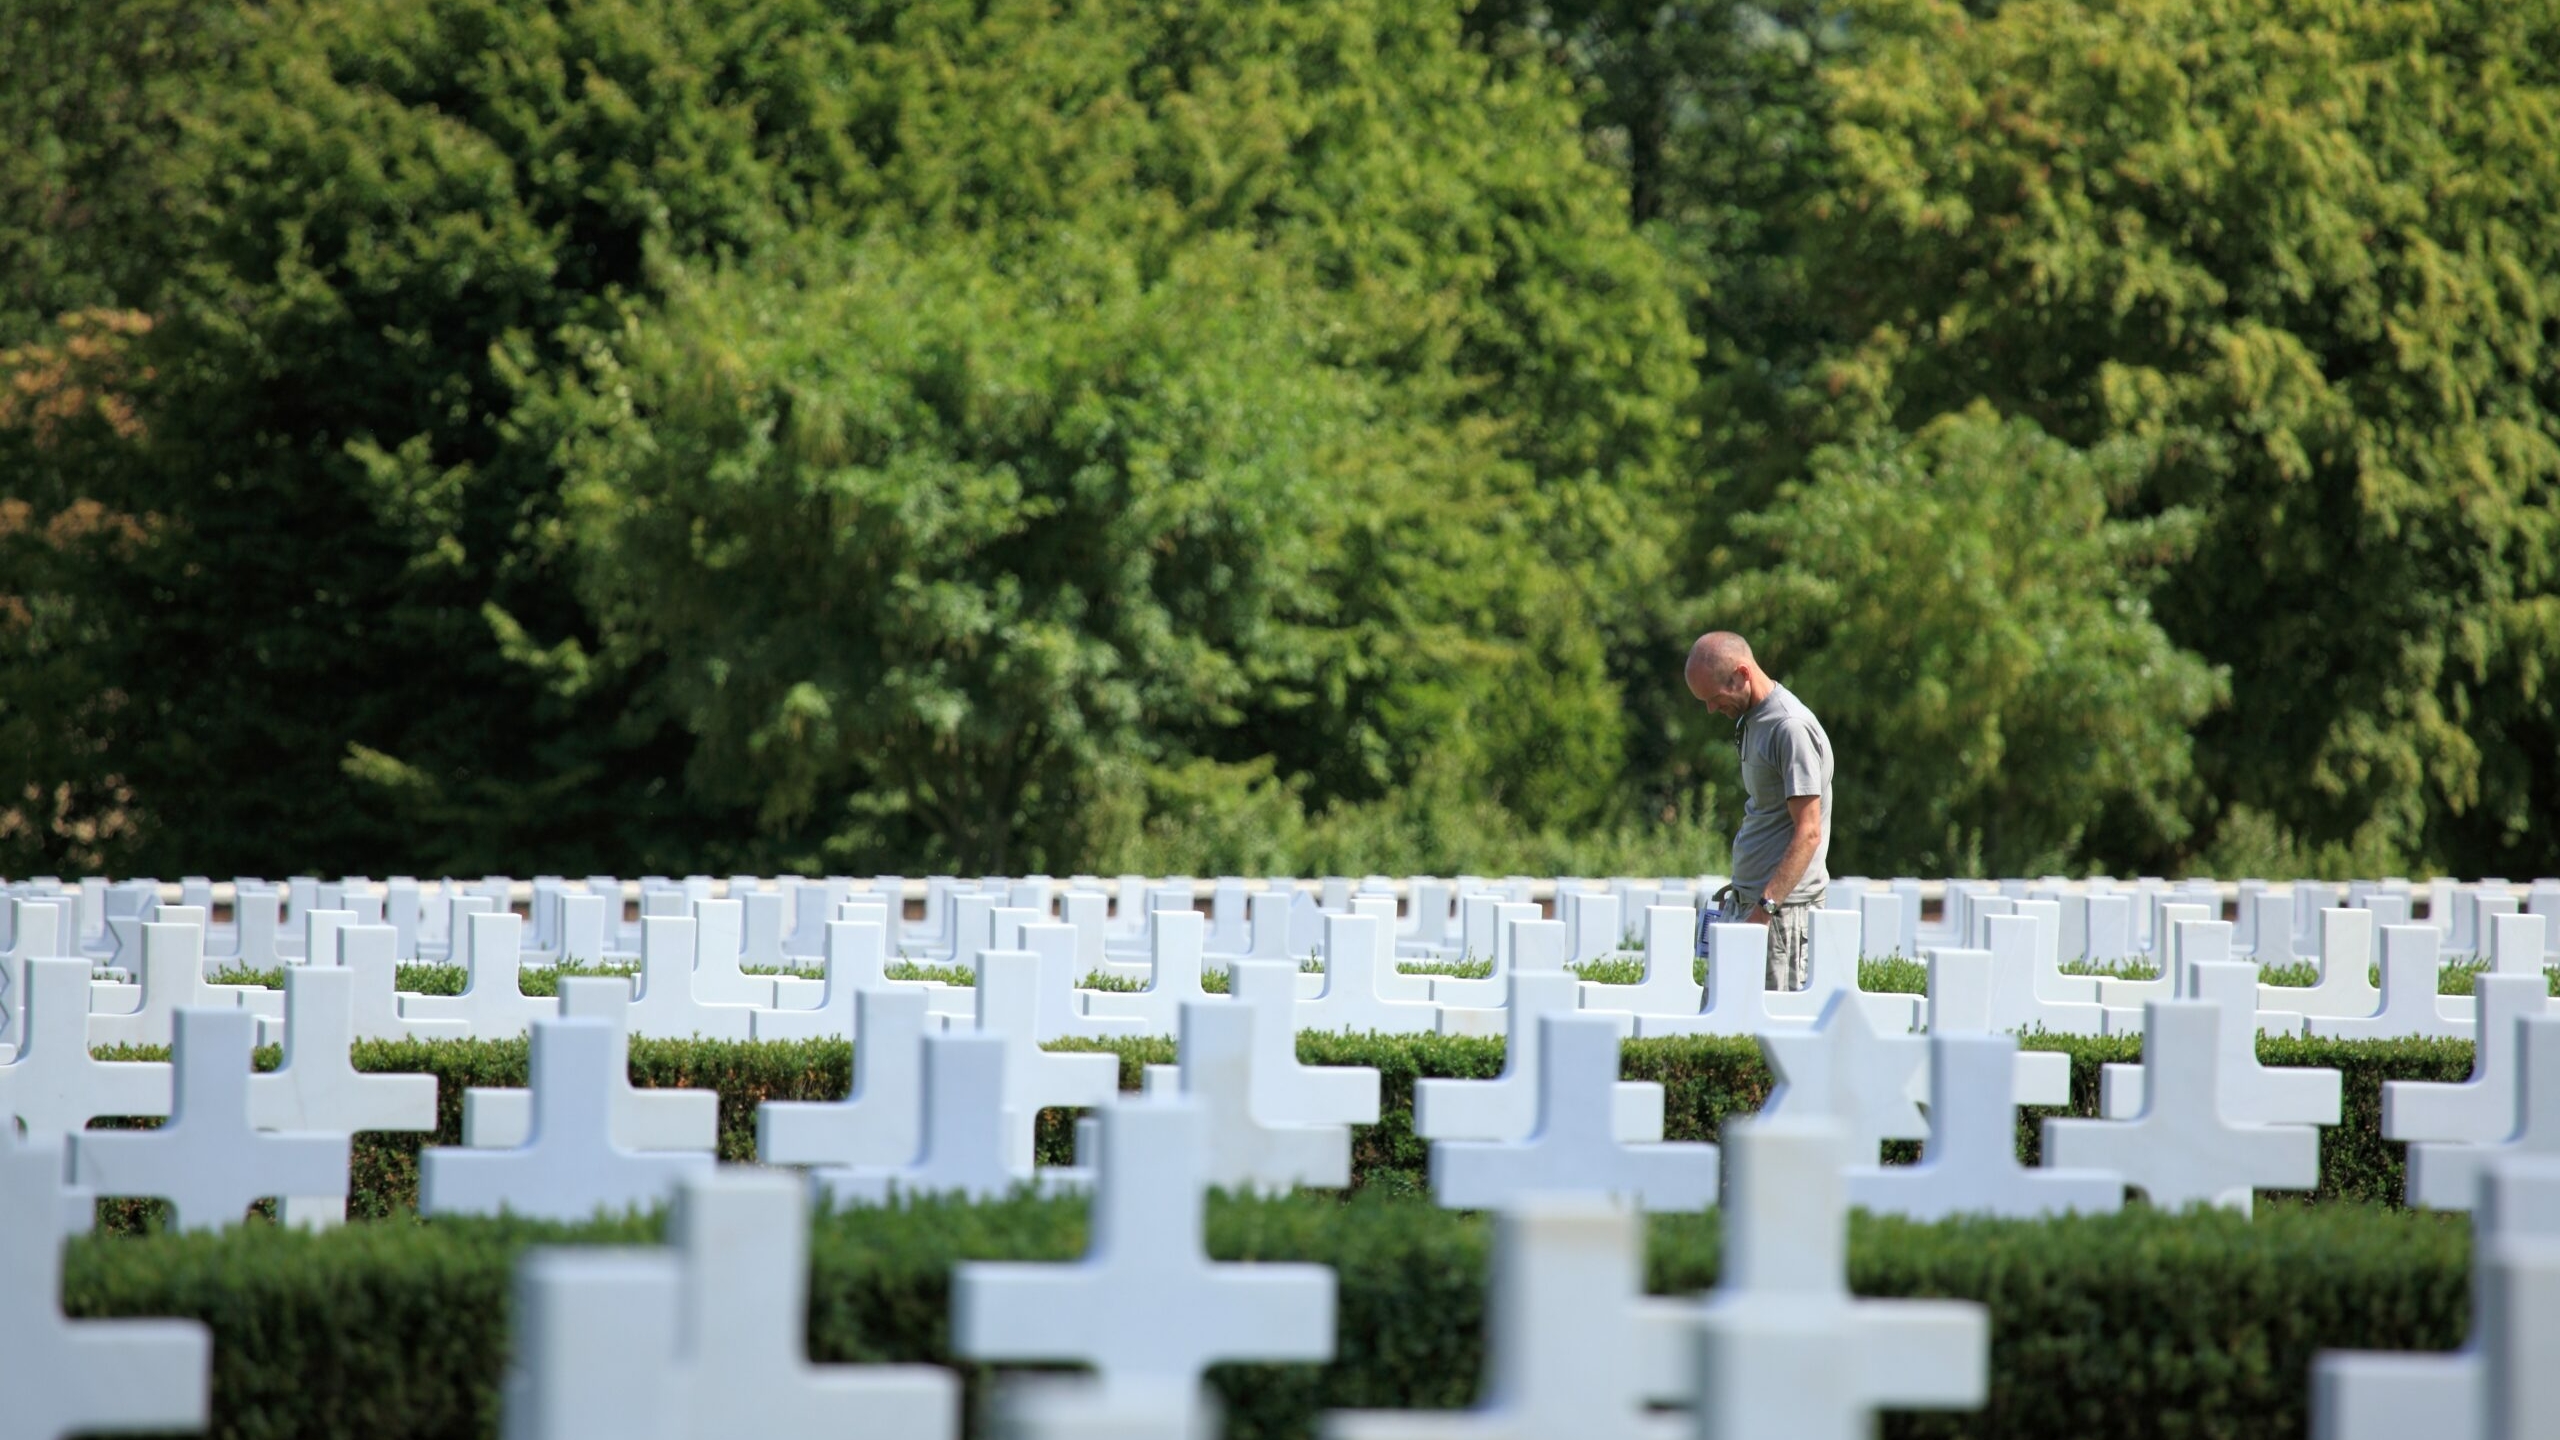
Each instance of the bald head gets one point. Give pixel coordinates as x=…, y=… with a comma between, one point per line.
x=1722, y=674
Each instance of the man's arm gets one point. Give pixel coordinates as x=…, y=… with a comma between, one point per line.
x=1806, y=811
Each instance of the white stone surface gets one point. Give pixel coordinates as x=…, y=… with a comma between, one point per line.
x=492, y=1003
x=495, y=1118
x=666, y=1005
x=1846, y=1071
x=2345, y=989
x=704, y=1339
x=2482, y=1109
x=1570, y=1327
x=1670, y=985
x=2251, y=1093
x=1737, y=992
x=967, y=1144
x=1960, y=1002
x=60, y=1377
x=1218, y=1069
x=1784, y=1349
x=2501, y=1385
x=1036, y=1079
x=2412, y=961
x=1355, y=948
x=55, y=1085
x=720, y=942
x=2179, y=1150
x=1505, y=1108
x=208, y=1161
x=1145, y=1307
x=1175, y=943
x=1969, y=1165
x=856, y=950
x=1287, y=1092
x=2447, y=1176
x=569, y=1167
x=881, y=1122
x=1573, y=1147
x=316, y=1088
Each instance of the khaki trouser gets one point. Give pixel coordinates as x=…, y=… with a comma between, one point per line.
x=1790, y=929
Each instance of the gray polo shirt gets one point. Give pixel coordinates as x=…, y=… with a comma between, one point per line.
x=1784, y=753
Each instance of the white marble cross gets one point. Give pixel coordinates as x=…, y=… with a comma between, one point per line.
x=1970, y=1164
x=1505, y=1108
x=703, y=1339
x=1573, y=1147
x=1571, y=1328
x=55, y=1086
x=1219, y=1068
x=1737, y=989
x=63, y=1377
x=2251, y=1093
x=1174, y=941
x=2345, y=987
x=1845, y=1071
x=369, y=954
x=1832, y=949
x=495, y=1118
x=1035, y=1079
x=208, y=1161
x=1526, y=942
x=2026, y=992
x=1670, y=985
x=666, y=1006
x=720, y=941
x=1146, y=1307
x=881, y=1122
x=856, y=951
x=1960, y=1003
x=965, y=1133
x=2502, y=1384
x=569, y=1167
x=2412, y=962
x=2180, y=1150
x=1784, y=1349
x=172, y=977
x=35, y=935
x=1286, y=1092
x=2482, y=1109
x=1353, y=997
x=1061, y=1012
x=2446, y=1176
x=492, y=1003
x=316, y=1089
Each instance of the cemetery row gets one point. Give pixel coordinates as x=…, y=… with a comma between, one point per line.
x=949, y=1083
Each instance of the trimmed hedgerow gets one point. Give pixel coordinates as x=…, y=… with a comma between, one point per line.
x=1705, y=1080
x=2136, y=1325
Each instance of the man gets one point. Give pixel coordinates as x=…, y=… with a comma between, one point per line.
x=1780, y=854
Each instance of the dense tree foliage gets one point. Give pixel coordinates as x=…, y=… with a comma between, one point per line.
x=631, y=434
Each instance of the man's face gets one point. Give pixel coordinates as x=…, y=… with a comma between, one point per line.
x=1721, y=688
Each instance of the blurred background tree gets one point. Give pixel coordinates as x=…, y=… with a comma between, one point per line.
x=629, y=435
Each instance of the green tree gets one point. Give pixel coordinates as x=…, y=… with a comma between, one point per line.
x=366, y=232
x=1975, y=632
x=2302, y=250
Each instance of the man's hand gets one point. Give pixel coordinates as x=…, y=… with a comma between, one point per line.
x=1759, y=916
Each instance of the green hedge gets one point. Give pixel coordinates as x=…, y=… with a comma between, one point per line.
x=2137, y=1325
x=1705, y=1079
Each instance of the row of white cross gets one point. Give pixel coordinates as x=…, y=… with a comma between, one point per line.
x=944, y=1107
x=690, y=980
x=2275, y=920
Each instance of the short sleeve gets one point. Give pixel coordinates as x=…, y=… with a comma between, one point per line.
x=1799, y=752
